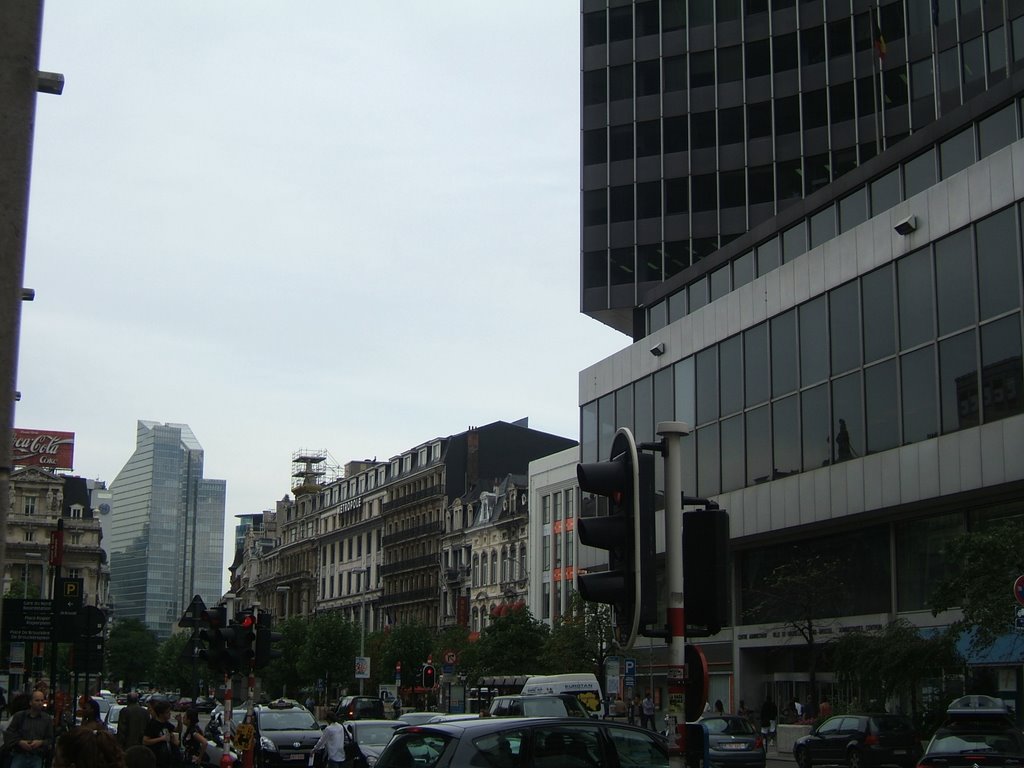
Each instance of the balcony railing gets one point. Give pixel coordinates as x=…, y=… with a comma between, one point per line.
x=412, y=498
x=427, y=529
x=424, y=561
x=411, y=596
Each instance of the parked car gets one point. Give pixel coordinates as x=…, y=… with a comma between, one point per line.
x=112, y=716
x=860, y=741
x=977, y=731
x=733, y=742
x=204, y=704
x=286, y=733
x=544, y=742
x=360, y=708
x=557, y=705
x=416, y=718
x=369, y=737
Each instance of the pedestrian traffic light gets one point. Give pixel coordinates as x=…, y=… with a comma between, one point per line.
x=265, y=639
x=626, y=532
x=212, y=645
x=705, y=573
x=429, y=676
x=240, y=639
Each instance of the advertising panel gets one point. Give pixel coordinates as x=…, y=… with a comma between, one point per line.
x=44, y=448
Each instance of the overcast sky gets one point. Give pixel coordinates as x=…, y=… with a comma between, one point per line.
x=349, y=226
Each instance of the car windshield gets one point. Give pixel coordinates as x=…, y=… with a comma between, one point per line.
x=542, y=706
x=731, y=726
x=977, y=739
x=892, y=724
x=374, y=735
x=292, y=720
x=419, y=748
x=114, y=714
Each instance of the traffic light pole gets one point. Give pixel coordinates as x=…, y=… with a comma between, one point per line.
x=672, y=433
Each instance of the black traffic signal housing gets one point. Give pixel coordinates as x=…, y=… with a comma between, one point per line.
x=705, y=571
x=429, y=676
x=240, y=641
x=212, y=645
x=626, y=532
x=265, y=639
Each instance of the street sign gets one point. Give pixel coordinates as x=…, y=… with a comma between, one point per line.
x=27, y=620
x=193, y=614
x=91, y=621
x=67, y=601
x=362, y=667
x=1018, y=589
x=1018, y=620
x=451, y=657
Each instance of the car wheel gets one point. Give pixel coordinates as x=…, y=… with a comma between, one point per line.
x=853, y=758
x=803, y=760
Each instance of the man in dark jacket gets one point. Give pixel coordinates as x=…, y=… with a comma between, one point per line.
x=31, y=734
x=131, y=723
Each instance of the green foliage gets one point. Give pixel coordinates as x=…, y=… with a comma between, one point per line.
x=409, y=644
x=329, y=652
x=581, y=640
x=131, y=651
x=21, y=590
x=170, y=671
x=513, y=642
x=981, y=567
x=874, y=666
x=282, y=676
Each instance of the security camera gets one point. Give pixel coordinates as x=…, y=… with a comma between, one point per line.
x=906, y=226
x=658, y=349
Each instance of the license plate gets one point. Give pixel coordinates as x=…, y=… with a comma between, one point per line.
x=732, y=745
x=297, y=757
x=899, y=751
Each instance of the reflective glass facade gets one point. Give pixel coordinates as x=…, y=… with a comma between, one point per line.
x=166, y=529
x=702, y=121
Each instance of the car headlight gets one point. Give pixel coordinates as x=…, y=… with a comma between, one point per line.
x=371, y=760
x=267, y=745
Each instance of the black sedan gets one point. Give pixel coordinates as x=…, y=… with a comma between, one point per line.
x=978, y=731
x=369, y=738
x=734, y=742
x=860, y=741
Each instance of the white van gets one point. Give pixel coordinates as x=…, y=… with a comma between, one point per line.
x=583, y=686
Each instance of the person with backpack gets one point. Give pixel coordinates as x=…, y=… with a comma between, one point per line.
x=30, y=734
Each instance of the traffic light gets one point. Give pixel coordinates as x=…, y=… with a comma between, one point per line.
x=211, y=642
x=429, y=676
x=705, y=573
x=239, y=638
x=626, y=532
x=265, y=639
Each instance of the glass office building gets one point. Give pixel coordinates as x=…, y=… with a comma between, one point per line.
x=807, y=216
x=166, y=529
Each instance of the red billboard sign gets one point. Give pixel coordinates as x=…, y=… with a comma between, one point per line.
x=43, y=448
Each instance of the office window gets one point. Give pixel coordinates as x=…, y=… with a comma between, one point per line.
x=916, y=302
x=919, y=173
x=844, y=327
x=674, y=68
x=998, y=263
x=1001, y=369
x=648, y=78
x=620, y=145
x=647, y=18
x=677, y=134
x=28, y=505
x=702, y=130
x=784, y=52
x=917, y=372
x=594, y=28
x=786, y=436
x=648, y=138
x=813, y=342
x=595, y=84
x=958, y=382
x=847, y=418
x=759, y=119
x=708, y=460
x=783, y=353
x=733, y=454
x=954, y=282
x=812, y=46
x=620, y=24
x=997, y=131
x=759, y=61
x=730, y=378
x=707, y=385
x=702, y=69
x=730, y=64
x=957, y=153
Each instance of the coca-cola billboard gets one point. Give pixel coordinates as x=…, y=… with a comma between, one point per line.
x=43, y=448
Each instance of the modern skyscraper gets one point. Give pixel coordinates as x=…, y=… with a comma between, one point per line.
x=166, y=529
x=807, y=215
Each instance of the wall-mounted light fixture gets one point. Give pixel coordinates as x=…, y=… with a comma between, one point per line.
x=906, y=226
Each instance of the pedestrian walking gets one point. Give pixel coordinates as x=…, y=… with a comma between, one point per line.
x=769, y=720
x=647, y=711
x=332, y=742
x=161, y=735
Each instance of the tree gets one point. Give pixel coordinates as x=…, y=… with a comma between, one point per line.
x=981, y=567
x=409, y=644
x=170, y=670
x=131, y=652
x=329, y=652
x=799, y=594
x=894, y=662
x=282, y=676
x=582, y=638
x=513, y=641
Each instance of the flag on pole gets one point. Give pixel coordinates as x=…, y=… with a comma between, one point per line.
x=879, y=39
